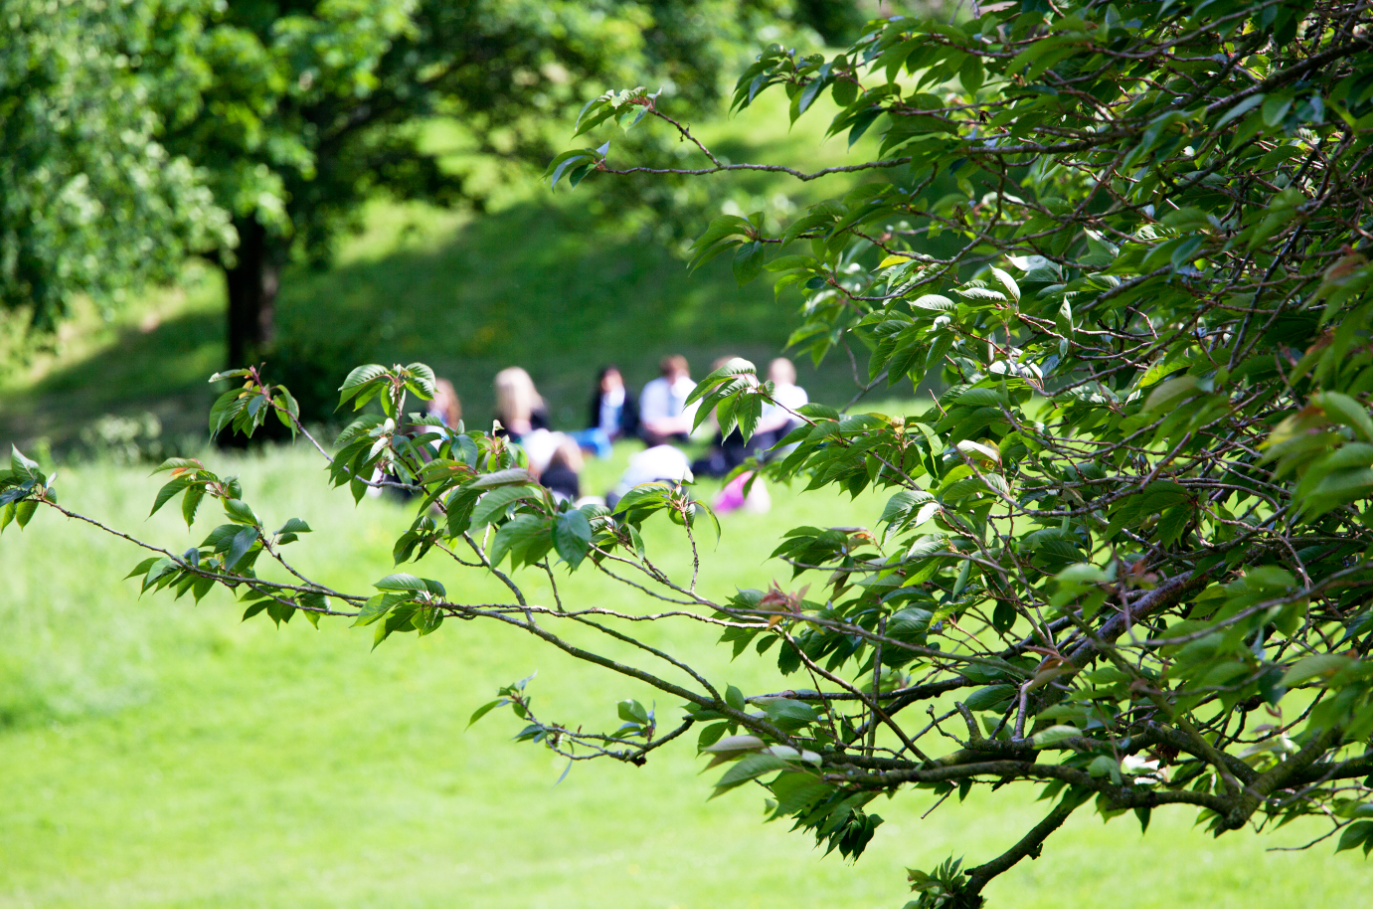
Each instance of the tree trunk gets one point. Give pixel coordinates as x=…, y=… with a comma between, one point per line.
x=252, y=287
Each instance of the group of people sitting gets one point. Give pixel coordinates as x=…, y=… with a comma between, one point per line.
x=659, y=416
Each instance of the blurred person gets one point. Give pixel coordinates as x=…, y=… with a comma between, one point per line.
x=729, y=451
x=555, y=460
x=519, y=406
x=663, y=412
x=614, y=413
x=777, y=419
x=660, y=463
x=733, y=496
x=446, y=405
x=788, y=395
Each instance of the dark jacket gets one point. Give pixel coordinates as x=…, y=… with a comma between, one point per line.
x=538, y=419
x=629, y=413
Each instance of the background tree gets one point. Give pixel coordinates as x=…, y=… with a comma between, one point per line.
x=90, y=200
x=119, y=117
x=1125, y=553
x=304, y=109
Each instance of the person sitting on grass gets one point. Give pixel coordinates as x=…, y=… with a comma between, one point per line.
x=663, y=411
x=555, y=460
x=614, y=413
x=520, y=408
x=777, y=419
x=728, y=452
x=659, y=464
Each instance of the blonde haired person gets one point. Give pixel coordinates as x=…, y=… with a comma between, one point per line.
x=519, y=406
x=554, y=458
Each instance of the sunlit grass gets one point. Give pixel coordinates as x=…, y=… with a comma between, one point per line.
x=161, y=754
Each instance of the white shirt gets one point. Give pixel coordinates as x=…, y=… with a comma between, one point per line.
x=794, y=397
x=662, y=399
x=612, y=402
x=791, y=397
x=661, y=462
x=541, y=445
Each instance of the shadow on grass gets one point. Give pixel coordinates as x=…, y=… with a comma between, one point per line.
x=159, y=369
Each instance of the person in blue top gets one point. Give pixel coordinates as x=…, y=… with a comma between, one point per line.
x=614, y=413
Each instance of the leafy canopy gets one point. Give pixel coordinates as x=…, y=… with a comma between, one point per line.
x=1125, y=553
x=136, y=133
x=91, y=199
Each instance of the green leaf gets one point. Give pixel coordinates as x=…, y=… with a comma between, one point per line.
x=225, y=409
x=295, y=525
x=632, y=711
x=572, y=536
x=359, y=379
x=1053, y=735
x=1170, y=391
x=512, y=475
x=24, y=512
x=141, y=569
x=179, y=464
x=1312, y=666
x=748, y=262
x=376, y=607
x=239, y=546
x=22, y=466
x=408, y=582
x=1356, y=834
x=493, y=505
x=484, y=709
x=291, y=409
x=751, y=767
x=238, y=511
x=1238, y=110
x=190, y=503
x=167, y=492
x=526, y=539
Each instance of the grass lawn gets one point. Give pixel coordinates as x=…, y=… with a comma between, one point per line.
x=158, y=754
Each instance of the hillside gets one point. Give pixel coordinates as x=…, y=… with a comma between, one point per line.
x=549, y=281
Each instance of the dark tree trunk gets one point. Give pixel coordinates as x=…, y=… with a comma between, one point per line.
x=252, y=286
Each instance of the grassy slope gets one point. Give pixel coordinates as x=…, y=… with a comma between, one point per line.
x=541, y=282
x=205, y=762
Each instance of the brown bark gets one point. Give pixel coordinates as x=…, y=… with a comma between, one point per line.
x=252, y=285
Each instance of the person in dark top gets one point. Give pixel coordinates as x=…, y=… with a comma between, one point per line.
x=613, y=415
x=614, y=406
x=728, y=452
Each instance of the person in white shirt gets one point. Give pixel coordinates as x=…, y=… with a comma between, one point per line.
x=659, y=464
x=777, y=418
x=663, y=412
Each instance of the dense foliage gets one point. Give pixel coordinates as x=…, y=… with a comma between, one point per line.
x=134, y=132
x=90, y=200
x=1124, y=553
